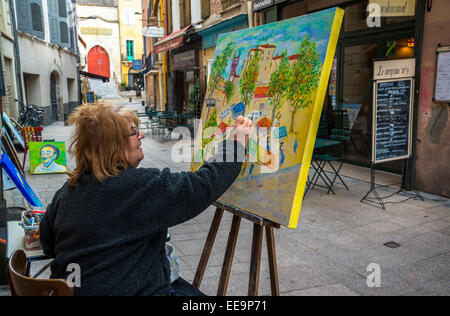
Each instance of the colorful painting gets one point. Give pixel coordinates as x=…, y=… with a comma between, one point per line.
x=276, y=75
x=47, y=157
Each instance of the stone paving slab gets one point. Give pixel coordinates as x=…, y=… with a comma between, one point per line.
x=328, y=254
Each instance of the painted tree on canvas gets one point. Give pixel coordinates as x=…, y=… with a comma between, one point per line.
x=303, y=78
x=218, y=68
x=279, y=81
x=229, y=90
x=247, y=85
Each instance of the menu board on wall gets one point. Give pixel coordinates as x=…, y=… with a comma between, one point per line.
x=392, y=119
x=442, y=80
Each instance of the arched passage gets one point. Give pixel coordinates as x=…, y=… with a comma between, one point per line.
x=98, y=61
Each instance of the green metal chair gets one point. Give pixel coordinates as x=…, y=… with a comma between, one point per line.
x=343, y=136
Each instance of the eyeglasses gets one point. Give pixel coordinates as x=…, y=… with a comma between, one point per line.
x=135, y=132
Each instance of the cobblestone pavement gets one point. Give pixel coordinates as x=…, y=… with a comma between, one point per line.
x=328, y=254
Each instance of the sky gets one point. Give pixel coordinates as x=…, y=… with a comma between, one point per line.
x=285, y=35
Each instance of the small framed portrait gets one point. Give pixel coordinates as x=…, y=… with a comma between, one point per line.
x=47, y=157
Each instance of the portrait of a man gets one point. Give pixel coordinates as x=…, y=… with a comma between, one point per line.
x=47, y=158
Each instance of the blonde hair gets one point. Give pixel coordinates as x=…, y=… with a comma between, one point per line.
x=100, y=139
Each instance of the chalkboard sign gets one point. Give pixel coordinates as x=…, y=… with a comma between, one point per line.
x=90, y=97
x=392, y=120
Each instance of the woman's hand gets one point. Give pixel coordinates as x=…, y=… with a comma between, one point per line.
x=243, y=127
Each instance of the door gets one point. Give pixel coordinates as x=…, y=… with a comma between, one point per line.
x=98, y=62
x=355, y=92
x=53, y=98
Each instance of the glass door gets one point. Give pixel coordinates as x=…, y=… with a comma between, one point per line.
x=354, y=108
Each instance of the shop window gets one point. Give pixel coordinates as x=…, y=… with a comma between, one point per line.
x=130, y=50
x=355, y=18
x=270, y=15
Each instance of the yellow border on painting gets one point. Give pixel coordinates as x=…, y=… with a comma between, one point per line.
x=318, y=104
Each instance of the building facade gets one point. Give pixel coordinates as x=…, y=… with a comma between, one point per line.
x=8, y=60
x=131, y=44
x=413, y=33
x=48, y=56
x=99, y=38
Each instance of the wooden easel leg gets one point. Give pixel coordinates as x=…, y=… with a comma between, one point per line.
x=272, y=261
x=255, y=261
x=229, y=255
x=208, y=247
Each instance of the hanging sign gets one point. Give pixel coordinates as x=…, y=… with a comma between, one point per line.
x=153, y=31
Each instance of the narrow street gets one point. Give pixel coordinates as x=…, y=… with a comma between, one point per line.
x=328, y=254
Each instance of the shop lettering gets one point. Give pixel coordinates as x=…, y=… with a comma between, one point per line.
x=390, y=72
x=261, y=4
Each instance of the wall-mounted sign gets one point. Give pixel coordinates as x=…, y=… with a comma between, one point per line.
x=153, y=31
x=262, y=4
x=185, y=61
x=137, y=65
x=395, y=7
x=391, y=69
x=96, y=31
x=442, y=80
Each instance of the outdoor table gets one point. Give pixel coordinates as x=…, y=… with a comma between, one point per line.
x=15, y=238
x=319, y=171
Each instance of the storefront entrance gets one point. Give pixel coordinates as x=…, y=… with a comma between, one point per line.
x=353, y=107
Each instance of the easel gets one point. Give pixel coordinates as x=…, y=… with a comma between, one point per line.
x=373, y=189
x=379, y=199
x=255, y=261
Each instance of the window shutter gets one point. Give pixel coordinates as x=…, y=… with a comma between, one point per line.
x=182, y=21
x=62, y=8
x=22, y=15
x=64, y=30
x=53, y=21
x=205, y=9
x=36, y=17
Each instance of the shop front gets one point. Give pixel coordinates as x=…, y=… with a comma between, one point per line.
x=363, y=41
x=184, y=74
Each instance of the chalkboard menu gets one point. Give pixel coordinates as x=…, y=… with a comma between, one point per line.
x=90, y=97
x=392, y=120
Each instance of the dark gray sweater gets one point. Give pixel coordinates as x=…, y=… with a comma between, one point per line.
x=116, y=230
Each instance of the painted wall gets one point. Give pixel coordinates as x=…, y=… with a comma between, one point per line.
x=433, y=136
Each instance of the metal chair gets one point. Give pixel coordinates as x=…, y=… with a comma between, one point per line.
x=22, y=285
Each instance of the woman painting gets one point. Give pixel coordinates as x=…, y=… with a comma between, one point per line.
x=111, y=217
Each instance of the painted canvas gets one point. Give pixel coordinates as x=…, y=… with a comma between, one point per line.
x=47, y=157
x=276, y=75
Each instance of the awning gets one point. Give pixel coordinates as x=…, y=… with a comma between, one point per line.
x=95, y=76
x=171, y=41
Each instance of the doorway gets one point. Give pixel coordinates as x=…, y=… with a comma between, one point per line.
x=53, y=98
x=98, y=62
x=354, y=108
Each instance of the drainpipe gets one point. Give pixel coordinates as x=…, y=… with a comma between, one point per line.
x=16, y=55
